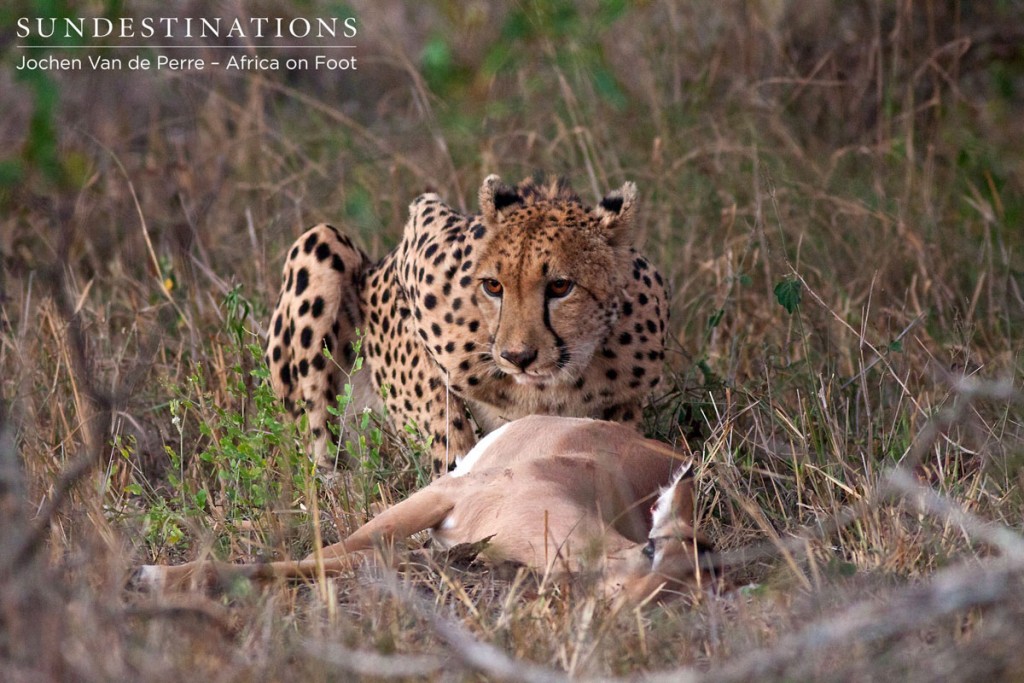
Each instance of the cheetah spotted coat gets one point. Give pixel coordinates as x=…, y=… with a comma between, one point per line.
x=537, y=305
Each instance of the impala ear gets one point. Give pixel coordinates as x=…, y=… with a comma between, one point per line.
x=682, y=497
x=496, y=196
x=675, y=501
x=616, y=213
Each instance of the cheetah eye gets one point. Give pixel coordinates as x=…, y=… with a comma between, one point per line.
x=559, y=288
x=492, y=287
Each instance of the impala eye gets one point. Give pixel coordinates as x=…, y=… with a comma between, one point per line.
x=648, y=550
x=558, y=288
x=492, y=287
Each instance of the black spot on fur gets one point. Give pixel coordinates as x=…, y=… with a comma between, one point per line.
x=301, y=281
x=323, y=252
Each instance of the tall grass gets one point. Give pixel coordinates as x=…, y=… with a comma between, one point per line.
x=835, y=191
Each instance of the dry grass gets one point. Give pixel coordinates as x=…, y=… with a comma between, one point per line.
x=860, y=459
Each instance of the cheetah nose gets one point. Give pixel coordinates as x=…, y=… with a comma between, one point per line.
x=520, y=359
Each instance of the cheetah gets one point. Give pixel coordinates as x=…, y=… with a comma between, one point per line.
x=539, y=304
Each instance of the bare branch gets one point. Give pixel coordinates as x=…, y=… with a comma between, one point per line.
x=900, y=482
x=370, y=663
x=474, y=654
x=950, y=591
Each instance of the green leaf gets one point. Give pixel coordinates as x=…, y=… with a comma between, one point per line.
x=787, y=293
x=847, y=569
x=611, y=10
x=706, y=370
x=607, y=87
x=438, y=63
x=11, y=172
x=715, y=318
x=499, y=58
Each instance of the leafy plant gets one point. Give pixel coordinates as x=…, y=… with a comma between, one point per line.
x=250, y=455
x=787, y=293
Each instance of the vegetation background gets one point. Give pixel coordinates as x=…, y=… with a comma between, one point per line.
x=834, y=189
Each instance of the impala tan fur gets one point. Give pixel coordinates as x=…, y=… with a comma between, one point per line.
x=556, y=494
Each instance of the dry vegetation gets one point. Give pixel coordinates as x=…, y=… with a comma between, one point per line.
x=860, y=458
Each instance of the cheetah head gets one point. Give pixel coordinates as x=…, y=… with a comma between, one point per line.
x=551, y=278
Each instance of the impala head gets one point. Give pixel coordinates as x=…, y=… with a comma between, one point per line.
x=671, y=557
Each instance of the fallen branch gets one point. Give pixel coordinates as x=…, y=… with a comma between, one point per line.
x=370, y=663
x=472, y=653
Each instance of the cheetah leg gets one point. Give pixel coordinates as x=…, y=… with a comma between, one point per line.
x=413, y=386
x=423, y=397
x=437, y=412
x=318, y=310
x=451, y=427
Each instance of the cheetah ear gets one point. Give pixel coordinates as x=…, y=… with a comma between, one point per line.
x=616, y=213
x=496, y=196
